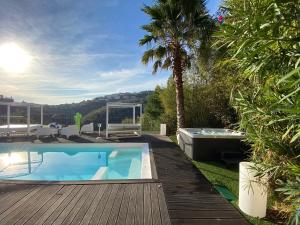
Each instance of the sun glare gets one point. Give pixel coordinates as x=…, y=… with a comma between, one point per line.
x=13, y=59
x=11, y=159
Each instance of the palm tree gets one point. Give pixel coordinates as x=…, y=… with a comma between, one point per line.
x=176, y=27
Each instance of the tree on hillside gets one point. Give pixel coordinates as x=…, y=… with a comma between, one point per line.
x=154, y=107
x=176, y=27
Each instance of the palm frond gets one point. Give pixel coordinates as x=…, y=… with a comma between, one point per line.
x=160, y=52
x=153, y=11
x=147, y=39
x=148, y=56
x=156, y=66
x=167, y=63
x=174, y=24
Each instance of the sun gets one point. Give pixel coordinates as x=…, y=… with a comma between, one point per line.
x=13, y=58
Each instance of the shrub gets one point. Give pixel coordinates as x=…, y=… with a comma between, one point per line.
x=263, y=42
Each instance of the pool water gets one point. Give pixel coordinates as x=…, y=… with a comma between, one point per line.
x=65, y=162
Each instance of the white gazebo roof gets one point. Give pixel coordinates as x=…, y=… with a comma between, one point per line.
x=122, y=105
x=19, y=104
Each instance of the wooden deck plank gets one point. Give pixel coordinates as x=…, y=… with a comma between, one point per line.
x=14, y=196
x=116, y=206
x=131, y=212
x=209, y=222
x=41, y=201
x=19, y=203
x=204, y=214
x=140, y=205
x=199, y=206
x=8, y=190
x=20, y=211
x=62, y=192
x=88, y=216
x=64, y=214
x=106, y=212
x=147, y=205
x=77, y=206
x=165, y=219
x=101, y=206
x=82, y=211
x=124, y=206
x=53, y=212
x=156, y=218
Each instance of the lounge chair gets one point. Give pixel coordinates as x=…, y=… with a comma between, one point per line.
x=87, y=128
x=69, y=131
x=123, y=128
x=46, y=131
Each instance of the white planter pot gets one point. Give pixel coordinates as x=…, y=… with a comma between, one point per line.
x=163, y=129
x=252, y=193
x=178, y=138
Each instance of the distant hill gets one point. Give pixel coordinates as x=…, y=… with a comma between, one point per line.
x=94, y=110
x=6, y=99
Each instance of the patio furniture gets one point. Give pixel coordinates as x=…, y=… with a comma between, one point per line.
x=99, y=130
x=135, y=128
x=87, y=128
x=20, y=128
x=123, y=128
x=55, y=125
x=46, y=131
x=69, y=131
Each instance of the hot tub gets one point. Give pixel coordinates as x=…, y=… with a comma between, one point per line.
x=206, y=144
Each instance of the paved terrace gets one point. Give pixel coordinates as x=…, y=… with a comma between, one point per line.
x=180, y=195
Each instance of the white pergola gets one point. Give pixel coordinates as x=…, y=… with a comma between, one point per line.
x=21, y=104
x=122, y=127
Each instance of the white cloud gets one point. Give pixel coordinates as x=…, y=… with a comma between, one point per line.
x=65, y=88
x=121, y=74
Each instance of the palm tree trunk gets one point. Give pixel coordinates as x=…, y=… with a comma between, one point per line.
x=177, y=76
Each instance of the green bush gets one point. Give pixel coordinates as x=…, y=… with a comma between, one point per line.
x=263, y=42
x=153, y=111
x=149, y=123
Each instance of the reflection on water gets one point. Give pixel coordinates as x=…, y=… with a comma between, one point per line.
x=67, y=165
x=16, y=164
x=10, y=158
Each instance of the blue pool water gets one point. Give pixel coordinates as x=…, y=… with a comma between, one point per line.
x=62, y=162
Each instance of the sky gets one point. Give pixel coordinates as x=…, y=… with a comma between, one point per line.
x=78, y=50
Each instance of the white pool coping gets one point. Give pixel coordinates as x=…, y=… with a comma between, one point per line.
x=146, y=163
x=13, y=126
x=221, y=133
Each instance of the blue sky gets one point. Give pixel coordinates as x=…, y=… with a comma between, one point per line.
x=79, y=49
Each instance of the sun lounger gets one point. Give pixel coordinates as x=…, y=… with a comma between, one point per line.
x=87, y=128
x=46, y=131
x=69, y=131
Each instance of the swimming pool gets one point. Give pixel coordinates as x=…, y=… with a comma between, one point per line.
x=67, y=162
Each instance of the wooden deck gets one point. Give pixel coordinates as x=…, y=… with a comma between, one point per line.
x=190, y=198
x=121, y=204
x=181, y=195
